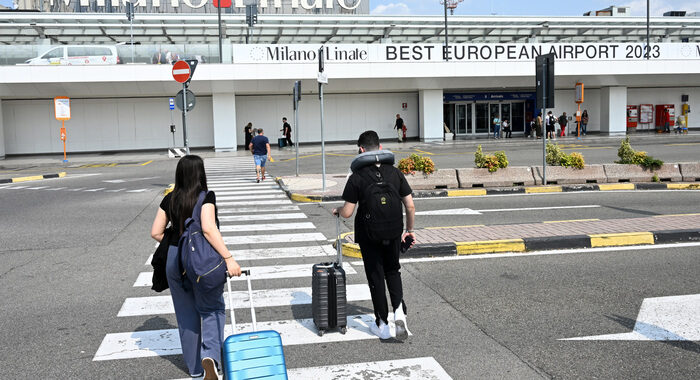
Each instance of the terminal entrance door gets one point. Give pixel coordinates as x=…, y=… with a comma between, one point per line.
x=463, y=119
x=514, y=112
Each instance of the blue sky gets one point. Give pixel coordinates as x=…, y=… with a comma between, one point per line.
x=518, y=7
x=527, y=8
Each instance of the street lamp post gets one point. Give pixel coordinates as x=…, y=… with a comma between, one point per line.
x=451, y=4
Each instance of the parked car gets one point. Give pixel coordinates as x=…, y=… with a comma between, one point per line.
x=78, y=55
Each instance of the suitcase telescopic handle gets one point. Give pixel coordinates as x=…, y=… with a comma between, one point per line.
x=250, y=297
x=338, y=247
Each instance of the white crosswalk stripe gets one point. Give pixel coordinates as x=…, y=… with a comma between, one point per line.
x=262, y=298
x=266, y=227
x=259, y=224
x=258, y=273
x=140, y=344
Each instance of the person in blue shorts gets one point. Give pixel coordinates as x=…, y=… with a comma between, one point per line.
x=260, y=146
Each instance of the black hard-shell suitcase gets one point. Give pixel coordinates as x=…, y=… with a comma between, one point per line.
x=281, y=142
x=328, y=294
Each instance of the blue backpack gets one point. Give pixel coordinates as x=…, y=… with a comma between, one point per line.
x=202, y=265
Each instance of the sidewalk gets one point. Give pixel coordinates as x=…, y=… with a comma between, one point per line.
x=465, y=240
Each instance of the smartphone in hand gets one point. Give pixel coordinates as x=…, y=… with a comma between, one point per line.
x=406, y=244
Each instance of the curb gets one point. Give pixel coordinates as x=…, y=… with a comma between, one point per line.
x=540, y=243
x=33, y=178
x=307, y=198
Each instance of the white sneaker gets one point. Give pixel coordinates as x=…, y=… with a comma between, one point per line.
x=400, y=321
x=382, y=331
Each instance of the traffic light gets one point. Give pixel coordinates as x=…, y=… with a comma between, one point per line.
x=251, y=14
x=129, y=11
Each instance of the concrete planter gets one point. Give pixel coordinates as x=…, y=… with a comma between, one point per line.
x=440, y=179
x=690, y=171
x=635, y=173
x=562, y=176
x=510, y=176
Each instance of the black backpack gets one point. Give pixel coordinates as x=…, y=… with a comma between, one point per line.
x=382, y=212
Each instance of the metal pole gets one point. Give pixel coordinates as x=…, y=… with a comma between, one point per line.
x=447, y=41
x=172, y=122
x=648, y=48
x=544, y=123
x=184, y=118
x=323, y=145
x=132, y=38
x=247, y=35
x=221, y=55
x=296, y=136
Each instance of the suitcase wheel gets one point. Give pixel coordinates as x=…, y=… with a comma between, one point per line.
x=320, y=332
x=343, y=330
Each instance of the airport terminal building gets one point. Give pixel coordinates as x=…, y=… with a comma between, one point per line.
x=377, y=67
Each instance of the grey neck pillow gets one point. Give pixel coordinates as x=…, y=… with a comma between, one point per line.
x=369, y=158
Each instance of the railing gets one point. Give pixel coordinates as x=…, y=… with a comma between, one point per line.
x=142, y=54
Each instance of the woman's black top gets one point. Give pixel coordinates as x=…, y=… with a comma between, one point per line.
x=165, y=206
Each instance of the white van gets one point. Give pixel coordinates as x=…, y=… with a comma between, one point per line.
x=78, y=55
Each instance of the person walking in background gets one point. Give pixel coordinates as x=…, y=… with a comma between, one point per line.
x=506, y=129
x=287, y=131
x=248, y=134
x=563, y=121
x=584, y=121
x=399, y=126
x=260, y=146
x=380, y=254
x=200, y=313
x=551, y=121
x=538, y=126
x=667, y=120
x=496, y=122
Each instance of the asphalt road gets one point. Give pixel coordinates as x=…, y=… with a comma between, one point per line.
x=70, y=258
x=460, y=154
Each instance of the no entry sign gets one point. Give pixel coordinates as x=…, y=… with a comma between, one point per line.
x=181, y=71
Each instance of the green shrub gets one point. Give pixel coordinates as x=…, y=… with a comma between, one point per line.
x=556, y=157
x=655, y=178
x=630, y=156
x=492, y=162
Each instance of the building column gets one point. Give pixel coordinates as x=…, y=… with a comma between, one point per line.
x=430, y=104
x=2, y=135
x=613, y=108
x=224, y=109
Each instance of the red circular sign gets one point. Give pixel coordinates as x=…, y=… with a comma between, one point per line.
x=181, y=71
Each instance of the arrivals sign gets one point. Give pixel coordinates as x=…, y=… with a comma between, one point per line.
x=408, y=53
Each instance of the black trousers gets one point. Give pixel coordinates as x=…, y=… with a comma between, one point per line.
x=382, y=264
x=288, y=138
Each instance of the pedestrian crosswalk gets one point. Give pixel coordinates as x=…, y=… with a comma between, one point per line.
x=271, y=236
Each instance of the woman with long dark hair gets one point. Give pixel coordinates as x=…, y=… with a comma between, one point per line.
x=200, y=315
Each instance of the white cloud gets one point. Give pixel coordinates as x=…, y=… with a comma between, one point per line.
x=658, y=7
x=392, y=9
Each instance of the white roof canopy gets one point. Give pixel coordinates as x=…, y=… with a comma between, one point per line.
x=94, y=28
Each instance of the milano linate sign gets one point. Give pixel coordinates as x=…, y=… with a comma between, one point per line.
x=305, y=4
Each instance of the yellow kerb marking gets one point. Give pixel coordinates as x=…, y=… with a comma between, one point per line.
x=304, y=199
x=466, y=193
x=146, y=163
x=543, y=189
x=570, y=221
x=627, y=238
x=351, y=250
x=616, y=186
x=61, y=174
x=25, y=179
x=490, y=246
x=683, y=186
x=441, y=228
x=169, y=189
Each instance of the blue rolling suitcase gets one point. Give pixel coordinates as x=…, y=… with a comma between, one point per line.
x=253, y=355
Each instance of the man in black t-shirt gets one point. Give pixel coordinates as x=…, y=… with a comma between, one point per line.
x=287, y=131
x=381, y=258
x=399, y=126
